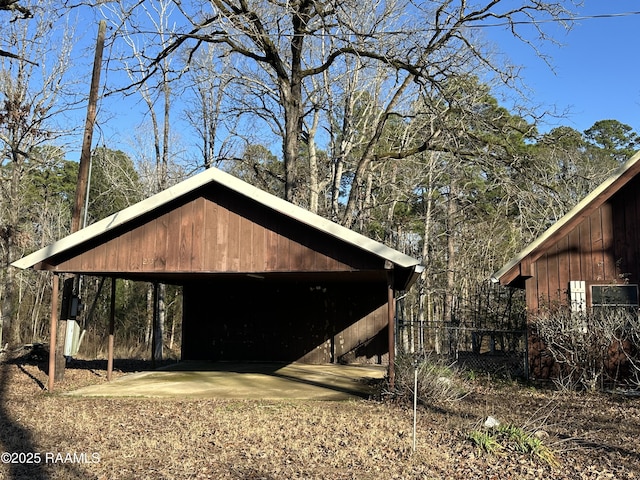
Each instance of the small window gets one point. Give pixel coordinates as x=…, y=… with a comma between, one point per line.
x=614, y=295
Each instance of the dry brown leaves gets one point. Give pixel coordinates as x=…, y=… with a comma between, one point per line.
x=595, y=436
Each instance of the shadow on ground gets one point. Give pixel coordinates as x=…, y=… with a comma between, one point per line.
x=272, y=381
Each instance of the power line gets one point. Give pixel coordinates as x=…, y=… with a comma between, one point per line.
x=552, y=20
x=479, y=25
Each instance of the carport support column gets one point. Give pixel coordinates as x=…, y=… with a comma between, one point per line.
x=391, y=316
x=53, y=330
x=112, y=327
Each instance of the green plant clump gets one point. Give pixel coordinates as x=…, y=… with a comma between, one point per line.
x=511, y=438
x=485, y=441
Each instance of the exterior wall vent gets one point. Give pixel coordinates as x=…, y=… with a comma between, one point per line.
x=578, y=296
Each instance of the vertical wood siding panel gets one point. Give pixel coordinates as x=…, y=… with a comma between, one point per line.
x=204, y=235
x=597, y=257
x=304, y=257
x=531, y=293
x=585, y=251
x=246, y=245
x=563, y=266
x=367, y=327
x=308, y=258
x=135, y=250
x=197, y=240
x=553, y=267
x=149, y=245
x=222, y=239
x=542, y=276
x=283, y=257
x=72, y=264
x=210, y=236
x=271, y=250
x=633, y=226
x=123, y=252
x=258, y=261
x=161, y=243
x=620, y=246
x=100, y=257
x=573, y=250
x=84, y=261
x=186, y=237
x=233, y=262
x=296, y=253
x=111, y=256
x=173, y=241
x=608, y=258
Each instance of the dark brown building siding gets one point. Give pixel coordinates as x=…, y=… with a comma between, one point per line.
x=215, y=233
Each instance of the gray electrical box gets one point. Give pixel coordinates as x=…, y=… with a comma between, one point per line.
x=72, y=339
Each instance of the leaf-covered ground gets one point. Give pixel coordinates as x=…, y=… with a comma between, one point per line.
x=594, y=436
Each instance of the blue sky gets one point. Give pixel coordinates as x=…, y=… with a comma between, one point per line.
x=593, y=76
x=595, y=70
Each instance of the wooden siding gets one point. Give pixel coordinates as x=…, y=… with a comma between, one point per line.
x=602, y=248
x=217, y=234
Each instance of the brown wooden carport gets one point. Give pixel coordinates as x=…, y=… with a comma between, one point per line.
x=262, y=278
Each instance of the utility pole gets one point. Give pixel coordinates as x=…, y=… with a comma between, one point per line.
x=85, y=155
x=81, y=188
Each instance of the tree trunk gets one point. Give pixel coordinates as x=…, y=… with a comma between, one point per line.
x=424, y=285
x=158, y=322
x=368, y=155
x=448, y=306
x=8, y=232
x=314, y=175
x=291, y=97
x=150, y=312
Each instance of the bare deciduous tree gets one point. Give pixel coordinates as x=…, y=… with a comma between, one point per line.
x=18, y=11
x=157, y=94
x=207, y=112
x=31, y=96
x=282, y=46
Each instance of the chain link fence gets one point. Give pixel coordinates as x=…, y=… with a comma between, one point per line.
x=487, y=333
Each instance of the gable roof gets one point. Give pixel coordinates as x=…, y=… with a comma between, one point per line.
x=515, y=271
x=217, y=176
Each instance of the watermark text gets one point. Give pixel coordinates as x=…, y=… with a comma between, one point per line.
x=50, y=457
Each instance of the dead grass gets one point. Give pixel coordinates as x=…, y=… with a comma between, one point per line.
x=594, y=436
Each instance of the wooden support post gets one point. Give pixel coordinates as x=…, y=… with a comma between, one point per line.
x=391, y=313
x=61, y=330
x=154, y=326
x=112, y=328
x=53, y=329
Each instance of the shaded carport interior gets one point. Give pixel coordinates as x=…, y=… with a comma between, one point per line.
x=253, y=267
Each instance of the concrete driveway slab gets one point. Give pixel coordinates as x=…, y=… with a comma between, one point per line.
x=269, y=381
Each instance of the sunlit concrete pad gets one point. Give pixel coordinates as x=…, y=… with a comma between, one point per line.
x=269, y=381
